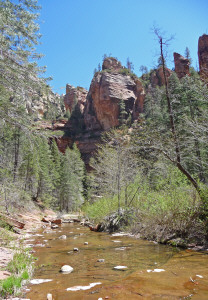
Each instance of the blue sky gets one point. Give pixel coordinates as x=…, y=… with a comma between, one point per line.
x=77, y=33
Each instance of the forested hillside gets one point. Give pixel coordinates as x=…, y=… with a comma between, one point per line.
x=31, y=167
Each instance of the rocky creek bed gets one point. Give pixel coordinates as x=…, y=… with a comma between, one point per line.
x=112, y=266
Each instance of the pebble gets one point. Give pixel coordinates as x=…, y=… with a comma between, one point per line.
x=85, y=243
x=66, y=269
x=54, y=226
x=75, y=249
x=200, y=276
x=101, y=260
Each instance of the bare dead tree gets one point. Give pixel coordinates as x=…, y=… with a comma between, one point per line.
x=177, y=161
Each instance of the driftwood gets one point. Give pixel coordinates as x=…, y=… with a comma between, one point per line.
x=98, y=227
x=11, y=221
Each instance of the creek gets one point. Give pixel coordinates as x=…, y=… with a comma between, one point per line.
x=153, y=271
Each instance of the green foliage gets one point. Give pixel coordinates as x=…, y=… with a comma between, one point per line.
x=114, y=165
x=20, y=263
x=21, y=269
x=68, y=114
x=72, y=176
x=125, y=71
x=165, y=204
x=10, y=285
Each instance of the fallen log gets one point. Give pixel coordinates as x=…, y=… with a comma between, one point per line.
x=11, y=221
x=96, y=228
x=56, y=221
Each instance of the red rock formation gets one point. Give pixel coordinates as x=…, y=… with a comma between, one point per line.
x=63, y=143
x=75, y=96
x=203, y=56
x=181, y=65
x=157, y=76
x=106, y=91
x=139, y=103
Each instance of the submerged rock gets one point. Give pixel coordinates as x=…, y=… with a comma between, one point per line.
x=121, y=268
x=83, y=288
x=38, y=281
x=101, y=260
x=62, y=237
x=156, y=270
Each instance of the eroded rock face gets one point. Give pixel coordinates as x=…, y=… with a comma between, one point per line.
x=41, y=103
x=106, y=91
x=181, y=65
x=75, y=96
x=63, y=143
x=157, y=77
x=203, y=56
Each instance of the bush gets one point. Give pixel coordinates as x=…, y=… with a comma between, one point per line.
x=164, y=210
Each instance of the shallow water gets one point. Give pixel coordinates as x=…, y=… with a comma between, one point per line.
x=138, y=281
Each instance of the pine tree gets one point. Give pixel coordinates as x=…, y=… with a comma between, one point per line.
x=72, y=180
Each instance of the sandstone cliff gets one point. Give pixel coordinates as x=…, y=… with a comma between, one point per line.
x=181, y=65
x=44, y=103
x=93, y=112
x=75, y=97
x=157, y=76
x=203, y=56
x=108, y=88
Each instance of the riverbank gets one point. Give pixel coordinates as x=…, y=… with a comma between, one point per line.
x=16, y=259
x=159, y=231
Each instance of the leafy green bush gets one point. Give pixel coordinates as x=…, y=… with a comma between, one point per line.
x=169, y=207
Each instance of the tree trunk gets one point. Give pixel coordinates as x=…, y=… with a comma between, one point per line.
x=173, y=129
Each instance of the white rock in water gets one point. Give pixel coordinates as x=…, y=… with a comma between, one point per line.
x=38, y=281
x=49, y=297
x=83, y=288
x=66, y=269
x=54, y=226
x=200, y=276
x=158, y=270
x=116, y=241
x=101, y=260
x=121, y=248
x=122, y=268
x=62, y=237
x=119, y=234
x=85, y=243
x=75, y=249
